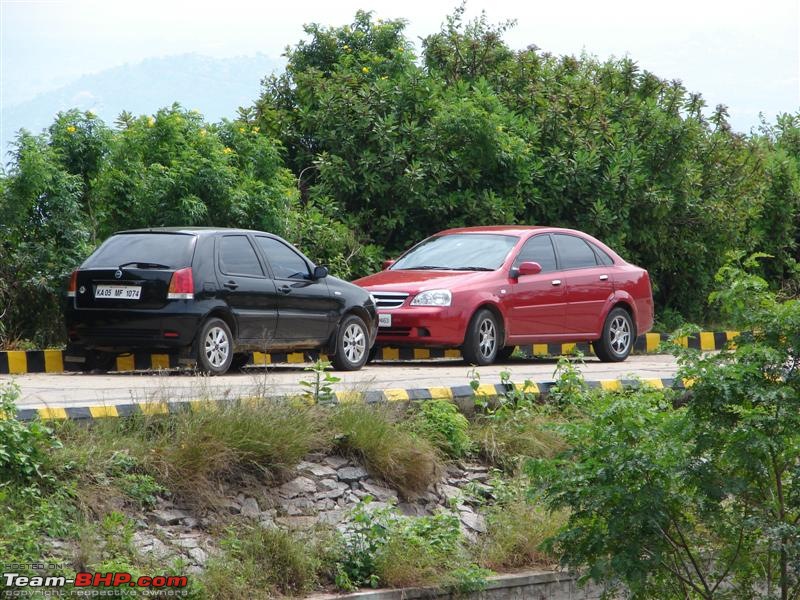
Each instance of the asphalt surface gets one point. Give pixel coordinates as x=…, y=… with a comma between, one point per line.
x=75, y=389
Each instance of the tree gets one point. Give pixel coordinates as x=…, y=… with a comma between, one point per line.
x=701, y=501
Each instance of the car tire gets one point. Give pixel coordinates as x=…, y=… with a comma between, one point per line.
x=505, y=352
x=483, y=339
x=616, y=340
x=214, y=347
x=352, y=344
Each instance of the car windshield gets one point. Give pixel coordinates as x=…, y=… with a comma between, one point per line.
x=458, y=252
x=144, y=251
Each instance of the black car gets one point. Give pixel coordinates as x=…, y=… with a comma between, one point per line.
x=213, y=295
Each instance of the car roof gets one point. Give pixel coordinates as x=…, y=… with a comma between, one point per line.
x=192, y=230
x=508, y=229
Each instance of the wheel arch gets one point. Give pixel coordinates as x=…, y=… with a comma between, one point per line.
x=495, y=310
x=359, y=311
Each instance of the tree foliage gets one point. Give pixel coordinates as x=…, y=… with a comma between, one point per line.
x=700, y=501
x=360, y=147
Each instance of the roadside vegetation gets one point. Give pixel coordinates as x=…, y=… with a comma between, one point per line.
x=669, y=494
x=362, y=146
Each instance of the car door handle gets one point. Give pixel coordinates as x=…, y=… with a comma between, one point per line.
x=231, y=285
x=556, y=282
x=285, y=289
x=603, y=277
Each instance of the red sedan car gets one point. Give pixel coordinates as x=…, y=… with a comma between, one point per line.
x=489, y=289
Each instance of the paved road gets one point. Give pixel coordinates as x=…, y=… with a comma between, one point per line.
x=73, y=389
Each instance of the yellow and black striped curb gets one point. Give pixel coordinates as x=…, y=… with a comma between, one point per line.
x=56, y=361
x=486, y=391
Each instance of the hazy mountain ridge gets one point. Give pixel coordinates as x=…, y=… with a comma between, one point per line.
x=214, y=86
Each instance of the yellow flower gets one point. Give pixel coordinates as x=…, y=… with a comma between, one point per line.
x=256, y=129
x=71, y=129
x=227, y=150
x=150, y=121
x=365, y=70
x=401, y=49
x=203, y=132
x=241, y=129
x=384, y=78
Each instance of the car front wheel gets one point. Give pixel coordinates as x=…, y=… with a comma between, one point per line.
x=616, y=341
x=352, y=349
x=215, y=347
x=483, y=339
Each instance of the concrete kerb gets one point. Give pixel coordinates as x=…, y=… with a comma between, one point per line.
x=19, y=362
x=463, y=395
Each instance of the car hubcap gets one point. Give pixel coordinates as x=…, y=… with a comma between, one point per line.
x=354, y=343
x=487, y=339
x=216, y=347
x=620, y=334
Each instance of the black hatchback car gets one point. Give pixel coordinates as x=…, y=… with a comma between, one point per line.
x=213, y=295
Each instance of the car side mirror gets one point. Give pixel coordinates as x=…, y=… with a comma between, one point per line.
x=320, y=272
x=388, y=263
x=529, y=268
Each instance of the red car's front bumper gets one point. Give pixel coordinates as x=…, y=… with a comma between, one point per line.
x=423, y=326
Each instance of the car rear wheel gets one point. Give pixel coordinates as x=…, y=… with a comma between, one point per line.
x=483, y=339
x=214, y=347
x=352, y=349
x=616, y=341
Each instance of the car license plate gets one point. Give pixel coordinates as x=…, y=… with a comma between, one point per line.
x=118, y=292
x=384, y=320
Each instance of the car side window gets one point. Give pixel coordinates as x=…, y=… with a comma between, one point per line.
x=285, y=262
x=537, y=249
x=238, y=257
x=602, y=257
x=574, y=253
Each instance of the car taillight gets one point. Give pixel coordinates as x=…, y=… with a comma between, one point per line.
x=73, y=285
x=181, y=286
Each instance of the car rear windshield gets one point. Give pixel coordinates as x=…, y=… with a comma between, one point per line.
x=170, y=250
x=458, y=252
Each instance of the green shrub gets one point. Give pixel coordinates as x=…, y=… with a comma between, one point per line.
x=383, y=547
x=388, y=451
x=23, y=445
x=440, y=422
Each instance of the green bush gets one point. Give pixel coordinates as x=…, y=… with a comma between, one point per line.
x=385, y=548
x=440, y=422
x=23, y=445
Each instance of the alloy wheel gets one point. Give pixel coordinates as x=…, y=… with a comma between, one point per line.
x=217, y=347
x=620, y=333
x=354, y=343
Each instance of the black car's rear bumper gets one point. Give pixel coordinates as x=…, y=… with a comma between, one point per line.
x=170, y=328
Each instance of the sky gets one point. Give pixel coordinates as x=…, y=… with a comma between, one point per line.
x=745, y=55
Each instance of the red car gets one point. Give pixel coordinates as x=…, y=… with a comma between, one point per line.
x=489, y=289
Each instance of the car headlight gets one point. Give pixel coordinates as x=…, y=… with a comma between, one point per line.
x=433, y=298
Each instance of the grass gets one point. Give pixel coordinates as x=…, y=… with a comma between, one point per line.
x=191, y=453
x=98, y=477
x=389, y=451
x=506, y=441
x=515, y=533
x=260, y=563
